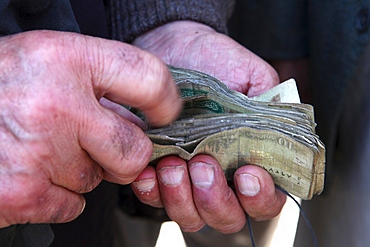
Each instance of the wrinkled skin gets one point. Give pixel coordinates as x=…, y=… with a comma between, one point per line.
x=60, y=137
x=56, y=139
x=196, y=193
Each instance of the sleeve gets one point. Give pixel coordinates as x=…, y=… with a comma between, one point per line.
x=30, y=235
x=130, y=18
x=20, y=16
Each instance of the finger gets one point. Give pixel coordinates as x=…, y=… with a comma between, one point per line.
x=215, y=201
x=128, y=75
x=146, y=188
x=176, y=193
x=39, y=202
x=120, y=147
x=83, y=175
x=63, y=206
x=123, y=112
x=261, y=77
x=74, y=169
x=121, y=72
x=257, y=194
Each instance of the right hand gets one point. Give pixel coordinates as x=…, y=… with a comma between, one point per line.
x=195, y=193
x=56, y=140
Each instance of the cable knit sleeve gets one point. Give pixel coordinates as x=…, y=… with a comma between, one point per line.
x=130, y=18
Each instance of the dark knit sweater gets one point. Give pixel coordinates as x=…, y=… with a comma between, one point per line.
x=126, y=19
x=131, y=18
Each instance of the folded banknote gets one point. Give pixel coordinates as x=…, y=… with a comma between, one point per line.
x=274, y=131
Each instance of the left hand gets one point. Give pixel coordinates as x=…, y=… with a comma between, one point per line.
x=196, y=193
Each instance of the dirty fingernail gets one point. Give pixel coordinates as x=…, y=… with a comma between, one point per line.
x=248, y=184
x=171, y=175
x=202, y=174
x=145, y=185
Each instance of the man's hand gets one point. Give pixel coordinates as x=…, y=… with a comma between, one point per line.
x=56, y=139
x=196, y=193
x=192, y=45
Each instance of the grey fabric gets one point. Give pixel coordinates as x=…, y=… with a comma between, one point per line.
x=91, y=17
x=95, y=226
x=337, y=33
x=25, y=15
x=336, y=43
x=130, y=18
x=134, y=231
x=341, y=218
x=29, y=235
x=7, y=235
x=273, y=29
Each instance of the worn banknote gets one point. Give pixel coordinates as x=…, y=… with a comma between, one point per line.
x=274, y=131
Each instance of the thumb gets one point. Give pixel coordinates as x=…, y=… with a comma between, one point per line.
x=128, y=75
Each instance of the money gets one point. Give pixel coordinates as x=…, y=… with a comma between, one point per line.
x=237, y=130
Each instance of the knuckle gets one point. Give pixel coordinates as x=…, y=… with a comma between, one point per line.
x=266, y=212
x=60, y=211
x=194, y=227
x=26, y=201
x=88, y=178
x=133, y=150
x=227, y=223
x=232, y=226
x=43, y=206
x=156, y=202
x=42, y=111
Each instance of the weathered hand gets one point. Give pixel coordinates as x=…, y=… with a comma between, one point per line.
x=56, y=139
x=196, y=193
x=192, y=45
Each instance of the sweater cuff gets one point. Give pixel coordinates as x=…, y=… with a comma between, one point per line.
x=129, y=19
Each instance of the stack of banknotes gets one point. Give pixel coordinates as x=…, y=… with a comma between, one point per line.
x=274, y=131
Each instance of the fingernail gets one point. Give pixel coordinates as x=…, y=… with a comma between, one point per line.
x=171, y=175
x=83, y=207
x=248, y=184
x=202, y=174
x=145, y=185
